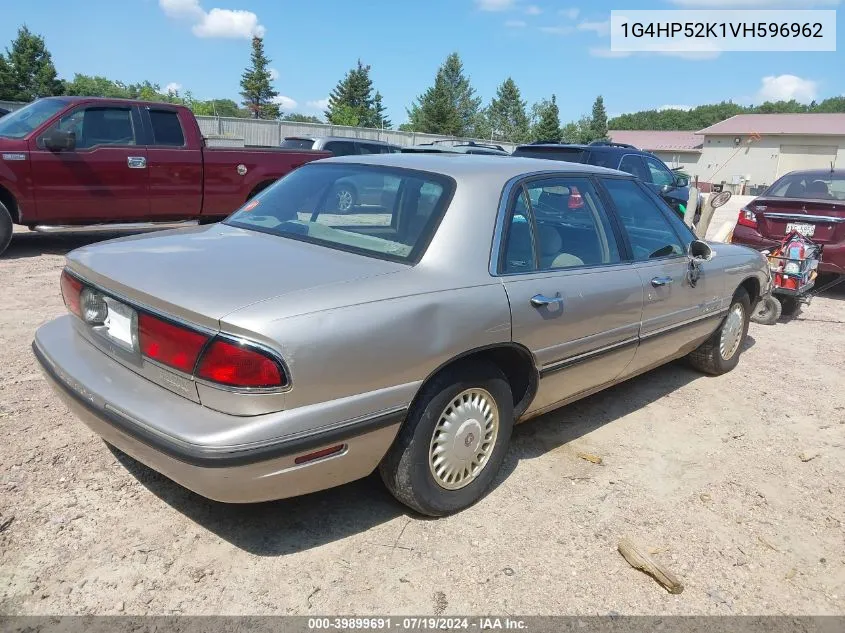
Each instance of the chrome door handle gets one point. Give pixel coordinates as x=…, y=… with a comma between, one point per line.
x=136, y=162
x=540, y=301
x=658, y=282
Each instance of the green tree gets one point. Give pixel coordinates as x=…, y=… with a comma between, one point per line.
x=380, y=118
x=598, y=121
x=465, y=105
x=95, y=86
x=354, y=94
x=579, y=131
x=295, y=117
x=27, y=71
x=344, y=114
x=256, y=84
x=506, y=114
x=547, y=125
x=435, y=112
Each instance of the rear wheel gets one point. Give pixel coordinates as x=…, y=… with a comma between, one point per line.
x=767, y=311
x=453, y=442
x=720, y=353
x=5, y=228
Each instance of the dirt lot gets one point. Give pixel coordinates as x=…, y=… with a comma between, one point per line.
x=736, y=483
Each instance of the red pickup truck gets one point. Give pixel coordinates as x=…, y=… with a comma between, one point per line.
x=82, y=161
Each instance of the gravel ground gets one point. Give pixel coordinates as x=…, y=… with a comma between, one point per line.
x=734, y=483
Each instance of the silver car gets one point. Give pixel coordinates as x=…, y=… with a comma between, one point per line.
x=292, y=348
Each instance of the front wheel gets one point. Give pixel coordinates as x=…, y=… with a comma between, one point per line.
x=719, y=354
x=453, y=442
x=5, y=228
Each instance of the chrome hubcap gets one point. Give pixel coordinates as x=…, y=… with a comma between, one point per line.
x=732, y=332
x=463, y=439
x=344, y=200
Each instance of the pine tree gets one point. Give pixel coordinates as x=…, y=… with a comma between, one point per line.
x=507, y=113
x=435, y=112
x=27, y=71
x=354, y=94
x=256, y=85
x=547, y=127
x=462, y=101
x=598, y=122
x=381, y=119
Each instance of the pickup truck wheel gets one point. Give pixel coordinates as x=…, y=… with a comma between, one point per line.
x=720, y=353
x=453, y=442
x=5, y=228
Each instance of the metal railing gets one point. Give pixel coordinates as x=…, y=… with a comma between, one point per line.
x=270, y=133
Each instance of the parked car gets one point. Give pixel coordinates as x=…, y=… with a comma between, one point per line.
x=340, y=145
x=470, y=147
x=810, y=201
x=364, y=189
x=290, y=349
x=80, y=161
x=669, y=185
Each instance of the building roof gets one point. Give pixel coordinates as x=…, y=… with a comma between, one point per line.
x=808, y=124
x=658, y=140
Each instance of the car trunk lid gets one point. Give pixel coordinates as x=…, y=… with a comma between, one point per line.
x=202, y=274
x=822, y=221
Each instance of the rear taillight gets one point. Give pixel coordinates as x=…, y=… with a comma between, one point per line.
x=239, y=366
x=71, y=289
x=747, y=217
x=169, y=344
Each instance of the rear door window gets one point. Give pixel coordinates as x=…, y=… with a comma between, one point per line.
x=340, y=148
x=166, y=128
x=633, y=164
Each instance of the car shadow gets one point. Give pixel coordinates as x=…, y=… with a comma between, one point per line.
x=292, y=525
x=33, y=244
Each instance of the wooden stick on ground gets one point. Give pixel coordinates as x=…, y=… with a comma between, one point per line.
x=639, y=559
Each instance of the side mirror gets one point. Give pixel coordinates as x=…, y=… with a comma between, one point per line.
x=681, y=181
x=700, y=251
x=59, y=140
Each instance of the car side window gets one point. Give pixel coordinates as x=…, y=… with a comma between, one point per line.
x=100, y=126
x=558, y=223
x=572, y=228
x=604, y=159
x=166, y=128
x=519, y=249
x=649, y=231
x=658, y=172
x=633, y=164
x=340, y=148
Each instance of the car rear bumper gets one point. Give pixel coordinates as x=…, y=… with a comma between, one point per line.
x=833, y=255
x=95, y=388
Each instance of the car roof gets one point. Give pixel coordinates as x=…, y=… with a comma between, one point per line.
x=458, y=164
x=350, y=139
x=839, y=173
x=597, y=147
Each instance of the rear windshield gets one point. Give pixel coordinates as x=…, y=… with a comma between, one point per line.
x=377, y=211
x=568, y=154
x=809, y=186
x=297, y=143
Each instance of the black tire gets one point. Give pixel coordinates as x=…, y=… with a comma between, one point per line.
x=5, y=228
x=708, y=357
x=767, y=311
x=405, y=469
x=790, y=306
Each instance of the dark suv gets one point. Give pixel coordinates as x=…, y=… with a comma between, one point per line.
x=672, y=187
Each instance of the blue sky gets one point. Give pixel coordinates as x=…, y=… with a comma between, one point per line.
x=547, y=46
